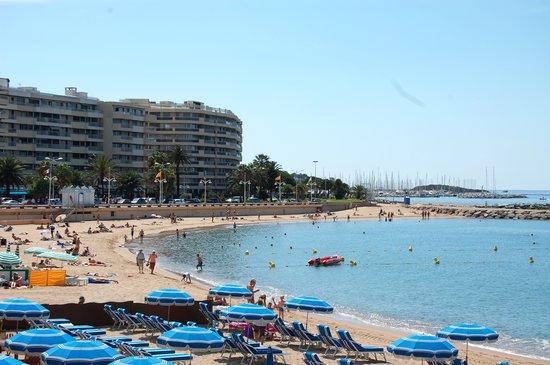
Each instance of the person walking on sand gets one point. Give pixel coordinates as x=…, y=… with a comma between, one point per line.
x=140, y=260
x=152, y=261
x=132, y=232
x=141, y=234
x=199, y=262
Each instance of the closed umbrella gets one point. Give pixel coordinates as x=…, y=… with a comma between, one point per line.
x=35, y=341
x=6, y=360
x=308, y=304
x=9, y=259
x=61, y=256
x=423, y=347
x=36, y=249
x=194, y=339
x=134, y=360
x=468, y=332
x=251, y=313
x=80, y=353
x=169, y=297
x=231, y=291
x=17, y=253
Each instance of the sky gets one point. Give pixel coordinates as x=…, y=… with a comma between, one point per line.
x=439, y=91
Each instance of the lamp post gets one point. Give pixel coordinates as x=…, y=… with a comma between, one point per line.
x=51, y=189
x=109, y=180
x=205, y=182
x=315, y=177
x=245, y=182
x=280, y=183
x=296, y=187
x=159, y=179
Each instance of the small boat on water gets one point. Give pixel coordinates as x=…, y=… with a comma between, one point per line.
x=326, y=260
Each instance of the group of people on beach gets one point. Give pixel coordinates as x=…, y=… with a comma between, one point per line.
x=151, y=261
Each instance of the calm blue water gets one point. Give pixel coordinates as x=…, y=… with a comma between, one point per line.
x=532, y=197
x=390, y=285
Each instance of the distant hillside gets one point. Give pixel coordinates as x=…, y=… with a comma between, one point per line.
x=439, y=187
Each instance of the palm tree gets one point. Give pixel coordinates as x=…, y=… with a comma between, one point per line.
x=11, y=173
x=100, y=166
x=129, y=183
x=179, y=157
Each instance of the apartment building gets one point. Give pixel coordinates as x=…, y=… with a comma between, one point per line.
x=35, y=125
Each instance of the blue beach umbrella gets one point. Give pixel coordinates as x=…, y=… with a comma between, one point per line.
x=169, y=297
x=194, y=339
x=468, y=332
x=35, y=341
x=423, y=347
x=6, y=360
x=309, y=304
x=231, y=291
x=36, y=249
x=134, y=360
x=80, y=353
x=17, y=309
x=251, y=313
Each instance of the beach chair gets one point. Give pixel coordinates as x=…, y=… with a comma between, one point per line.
x=129, y=320
x=287, y=334
x=345, y=362
x=306, y=338
x=259, y=352
x=73, y=329
x=176, y=358
x=114, y=315
x=147, y=323
x=210, y=316
x=360, y=350
x=111, y=340
x=329, y=341
x=311, y=358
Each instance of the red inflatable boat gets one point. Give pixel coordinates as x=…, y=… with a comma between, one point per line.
x=326, y=260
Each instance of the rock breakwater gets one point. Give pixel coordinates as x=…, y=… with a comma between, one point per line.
x=492, y=213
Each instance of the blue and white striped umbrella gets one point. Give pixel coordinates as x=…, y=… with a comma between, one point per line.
x=423, y=347
x=9, y=259
x=61, y=256
x=134, y=360
x=194, y=339
x=17, y=309
x=6, y=360
x=308, y=304
x=468, y=332
x=36, y=341
x=168, y=297
x=36, y=249
x=231, y=291
x=80, y=353
x=251, y=313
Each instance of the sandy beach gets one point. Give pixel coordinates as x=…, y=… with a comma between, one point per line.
x=109, y=247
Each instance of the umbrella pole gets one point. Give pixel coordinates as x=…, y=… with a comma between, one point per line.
x=169, y=312
x=467, y=342
x=307, y=318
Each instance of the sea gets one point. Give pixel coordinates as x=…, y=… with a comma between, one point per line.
x=485, y=273
x=531, y=197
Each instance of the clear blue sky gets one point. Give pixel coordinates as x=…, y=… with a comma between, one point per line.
x=411, y=87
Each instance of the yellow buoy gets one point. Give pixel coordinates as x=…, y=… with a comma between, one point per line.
x=271, y=265
x=314, y=250
x=353, y=263
x=436, y=261
x=495, y=248
x=531, y=260
x=246, y=253
x=410, y=248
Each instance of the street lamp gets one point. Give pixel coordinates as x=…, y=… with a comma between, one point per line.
x=245, y=182
x=296, y=172
x=280, y=183
x=109, y=180
x=51, y=178
x=159, y=179
x=205, y=182
x=315, y=177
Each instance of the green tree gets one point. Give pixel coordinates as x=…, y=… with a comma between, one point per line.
x=359, y=192
x=100, y=166
x=129, y=184
x=179, y=158
x=159, y=162
x=339, y=189
x=11, y=173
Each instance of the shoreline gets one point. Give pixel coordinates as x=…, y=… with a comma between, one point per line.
x=110, y=247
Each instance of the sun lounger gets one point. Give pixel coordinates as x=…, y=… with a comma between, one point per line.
x=329, y=341
x=129, y=320
x=360, y=350
x=345, y=362
x=210, y=316
x=254, y=353
x=115, y=316
x=147, y=323
x=287, y=334
x=306, y=338
x=311, y=358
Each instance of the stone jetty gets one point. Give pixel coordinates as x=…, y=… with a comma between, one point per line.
x=511, y=211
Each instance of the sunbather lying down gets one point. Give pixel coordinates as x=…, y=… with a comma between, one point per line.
x=92, y=262
x=101, y=281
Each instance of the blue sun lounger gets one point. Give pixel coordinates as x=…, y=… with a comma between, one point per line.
x=311, y=358
x=360, y=350
x=329, y=341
